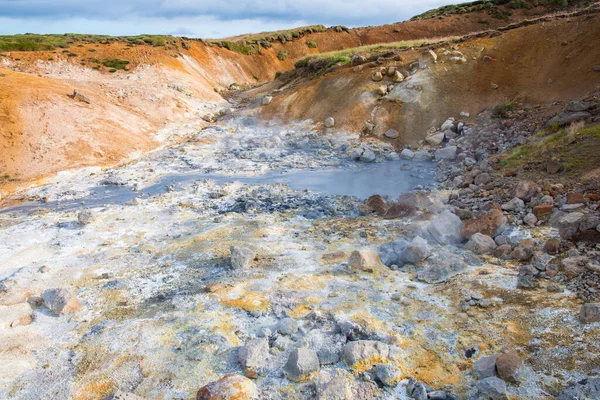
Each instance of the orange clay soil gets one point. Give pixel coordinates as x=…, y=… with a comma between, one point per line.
x=539, y=63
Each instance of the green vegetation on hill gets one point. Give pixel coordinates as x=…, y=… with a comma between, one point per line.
x=327, y=60
x=35, y=42
x=492, y=7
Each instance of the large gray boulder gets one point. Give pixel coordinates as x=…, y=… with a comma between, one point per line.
x=590, y=312
x=364, y=350
x=302, y=364
x=416, y=251
x=241, y=257
x=447, y=153
x=481, y=244
x=485, y=367
x=445, y=229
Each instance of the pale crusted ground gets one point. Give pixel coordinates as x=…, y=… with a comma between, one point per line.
x=147, y=325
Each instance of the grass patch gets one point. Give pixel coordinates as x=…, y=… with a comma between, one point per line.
x=311, y=44
x=326, y=60
x=116, y=64
x=501, y=109
x=491, y=6
x=591, y=130
x=282, y=55
x=35, y=42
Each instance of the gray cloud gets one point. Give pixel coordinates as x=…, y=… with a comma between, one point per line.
x=225, y=15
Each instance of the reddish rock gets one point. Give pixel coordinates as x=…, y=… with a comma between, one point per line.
x=377, y=204
x=591, y=236
x=592, y=196
x=489, y=224
x=542, y=210
x=552, y=246
x=574, y=198
x=230, y=387
x=400, y=211
x=524, y=251
x=503, y=252
x=511, y=173
x=508, y=365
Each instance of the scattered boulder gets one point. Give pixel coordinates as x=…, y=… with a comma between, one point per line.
x=481, y=244
x=267, y=100
x=441, y=270
x=376, y=76
x=542, y=210
x=393, y=134
x=77, y=95
x=589, y=313
x=388, y=374
x=503, y=252
x=568, y=225
x=524, y=250
x=86, y=217
x=568, y=117
x=331, y=385
x=483, y=179
x=530, y=219
x=525, y=190
x=230, y=387
x=60, y=301
x=485, y=367
x=492, y=388
x=302, y=365
x=364, y=260
x=254, y=356
x=364, y=352
x=552, y=246
x=574, y=266
x=329, y=122
x=422, y=155
x=448, y=125
x=391, y=253
x=400, y=210
x=491, y=224
x=447, y=153
x=241, y=257
x=445, y=228
x=397, y=77
x=435, y=138
x=382, y=90
x=377, y=204
x=407, y=154
x=508, y=366
x=554, y=167
x=515, y=204
x=416, y=251
x=287, y=326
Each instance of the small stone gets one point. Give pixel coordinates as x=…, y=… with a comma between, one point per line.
x=407, y=154
x=435, y=138
x=513, y=205
x=393, y=134
x=552, y=246
x=60, y=301
x=397, y=77
x=329, y=122
x=266, y=100
x=241, y=257
x=494, y=86
x=364, y=260
x=542, y=210
x=447, y=153
x=77, y=95
x=382, y=90
x=416, y=251
x=530, y=219
x=302, y=365
x=86, y=217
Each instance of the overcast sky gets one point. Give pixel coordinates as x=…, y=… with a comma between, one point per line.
x=198, y=18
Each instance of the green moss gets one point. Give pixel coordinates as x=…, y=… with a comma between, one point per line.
x=116, y=64
x=591, y=130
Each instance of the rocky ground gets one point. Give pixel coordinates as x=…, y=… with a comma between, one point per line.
x=482, y=287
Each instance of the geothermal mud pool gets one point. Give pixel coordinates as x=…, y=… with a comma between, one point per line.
x=155, y=307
